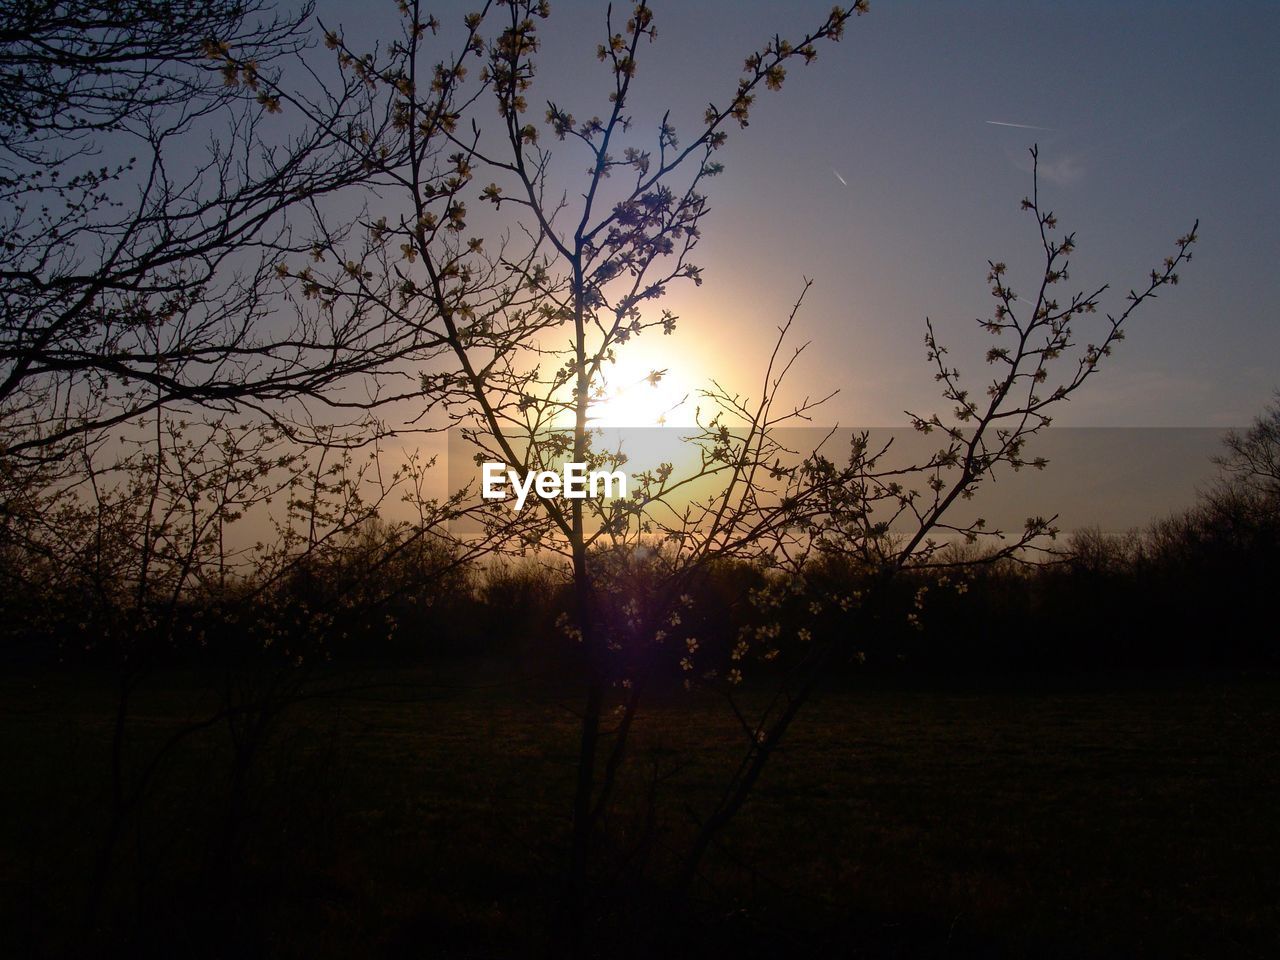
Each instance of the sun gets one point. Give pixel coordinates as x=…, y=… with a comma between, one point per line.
x=645, y=405
x=645, y=391
x=646, y=408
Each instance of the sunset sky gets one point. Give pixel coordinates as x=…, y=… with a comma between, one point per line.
x=1157, y=113
x=890, y=171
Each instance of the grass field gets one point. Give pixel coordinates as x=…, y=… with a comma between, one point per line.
x=428, y=819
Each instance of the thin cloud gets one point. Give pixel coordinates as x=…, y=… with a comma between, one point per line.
x=1062, y=170
x=1059, y=168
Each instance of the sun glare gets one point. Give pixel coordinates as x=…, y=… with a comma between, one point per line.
x=646, y=392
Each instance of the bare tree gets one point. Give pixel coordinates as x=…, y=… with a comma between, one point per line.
x=528, y=324
x=70, y=71
x=140, y=562
x=498, y=302
x=155, y=160
x=1251, y=464
x=1038, y=363
x=529, y=313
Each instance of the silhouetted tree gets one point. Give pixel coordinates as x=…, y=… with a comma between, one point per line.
x=527, y=314
x=155, y=159
x=476, y=286
x=1251, y=465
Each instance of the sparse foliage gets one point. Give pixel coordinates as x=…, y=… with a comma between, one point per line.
x=149, y=195
x=527, y=318
x=1251, y=463
x=474, y=287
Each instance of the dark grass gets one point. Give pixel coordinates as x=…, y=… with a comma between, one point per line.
x=428, y=819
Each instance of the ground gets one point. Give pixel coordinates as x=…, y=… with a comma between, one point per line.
x=907, y=819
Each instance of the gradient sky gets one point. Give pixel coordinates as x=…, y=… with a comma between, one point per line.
x=1155, y=114
x=1158, y=113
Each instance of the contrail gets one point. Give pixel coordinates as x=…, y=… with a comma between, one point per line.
x=1020, y=126
x=843, y=181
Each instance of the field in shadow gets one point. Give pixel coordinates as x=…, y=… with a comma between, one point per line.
x=421, y=817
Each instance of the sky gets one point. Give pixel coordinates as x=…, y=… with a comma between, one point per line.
x=891, y=170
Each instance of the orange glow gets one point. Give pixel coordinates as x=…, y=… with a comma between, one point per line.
x=646, y=388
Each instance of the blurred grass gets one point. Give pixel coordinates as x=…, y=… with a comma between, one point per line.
x=427, y=819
